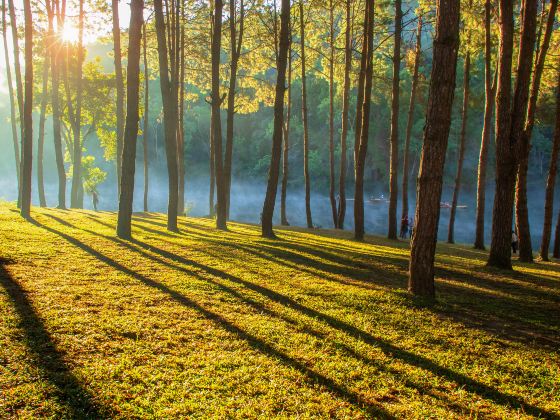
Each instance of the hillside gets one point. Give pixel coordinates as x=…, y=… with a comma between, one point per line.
x=230, y=325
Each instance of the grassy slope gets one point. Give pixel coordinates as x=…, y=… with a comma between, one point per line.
x=205, y=323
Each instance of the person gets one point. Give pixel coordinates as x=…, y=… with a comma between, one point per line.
x=404, y=227
x=95, y=199
x=514, y=241
x=410, y=227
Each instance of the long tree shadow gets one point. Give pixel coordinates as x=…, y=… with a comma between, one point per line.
x=422, y=362
x=389, y=349
x=533, y=323
x=259, y=307
x=311, y=376
x=69, y=391
x=517, y=313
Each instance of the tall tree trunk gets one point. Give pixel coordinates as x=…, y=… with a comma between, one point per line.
x=169, y=117
x=212, y=169
x=176, y=71
x=56, y=63
x=341, y=213
x=508, y=140
x=17, y=66
x=27, y=144
x=436, y=134
x=221, y=216
x=69, y=102
x=235, y=46
x=500, y=251
x=551, y=182
x=169, y=28
x=305, y=120
x=463, y=136
x=556, y=249
x=120, y=87
x=41, y=139
x=366, y=73
x=286, y=143
x=274, y=170
x=146, y=128
x=521, y=209
x=358, y=121
x=394, y=166
x=490, y=96
x=19, y=84
x=180, y=128
x=77, y=125
x=331, y=117
x=410, y=119
x=132, y=119
x=13, y=118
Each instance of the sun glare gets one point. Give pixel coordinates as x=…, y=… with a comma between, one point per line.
x=70, y=33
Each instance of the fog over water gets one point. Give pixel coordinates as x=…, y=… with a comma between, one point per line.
x=247, y=200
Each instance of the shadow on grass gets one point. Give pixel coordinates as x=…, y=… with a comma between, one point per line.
x=510, y=309
x=389, y=349
x=70, y=392
x=311, y=376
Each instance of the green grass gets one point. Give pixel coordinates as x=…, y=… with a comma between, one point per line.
x=230, y=325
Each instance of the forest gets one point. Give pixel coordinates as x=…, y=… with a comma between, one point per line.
x=280, y=208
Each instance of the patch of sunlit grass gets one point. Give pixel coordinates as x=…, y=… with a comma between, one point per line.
x=217, y=324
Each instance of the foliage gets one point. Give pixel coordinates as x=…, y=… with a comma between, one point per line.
x=91, y=174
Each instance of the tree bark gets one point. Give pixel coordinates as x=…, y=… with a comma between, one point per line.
x=551, y=183
x=410, y=119
x=236, y=40
x=169, y=117
x=41, y=139
x=180, y=127
x=366, y=73
x=13, y=118
x=305, y=121
x=274, y=170
x=56, y=63
x=436, y=134
x=17, y=66
x=120, y=86
x=394, y=146
x=500, y=251
x=19, y=84
x=212, y=169
x=331, y=117
x=132, y=119
x=490, y=96
x=556, y=249
x=521, y=209
x=341, y=213
x=146, y=128
x=27, y=143
x=77, y=185
x=212, y=177
x=508, y=140
x=359, y=101
x=221, y=201
x=286, y=143
x=460, y=160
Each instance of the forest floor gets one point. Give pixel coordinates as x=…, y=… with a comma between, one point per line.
x=230, y=325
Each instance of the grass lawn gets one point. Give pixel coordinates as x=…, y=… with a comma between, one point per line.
x=230, y=325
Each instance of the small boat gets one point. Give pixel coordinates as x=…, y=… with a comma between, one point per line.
x=447, y=205
x=378, y=200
